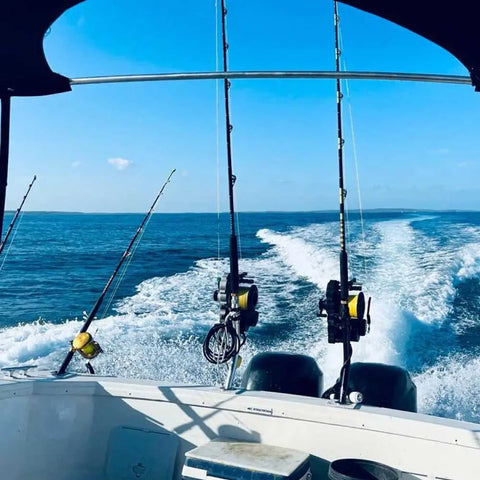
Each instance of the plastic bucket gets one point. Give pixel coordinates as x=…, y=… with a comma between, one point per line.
x=357, y=469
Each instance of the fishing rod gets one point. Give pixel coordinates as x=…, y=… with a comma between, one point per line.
x=231, y=177
x=83, y=342
x=344, y=313
x=344, y=308
x=236, y=293
x=17, y=213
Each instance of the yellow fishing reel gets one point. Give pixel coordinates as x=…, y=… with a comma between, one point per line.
x=237, y=314
x=356, y=305
x=86, y=346
x=359, y=320
x=246, y=300
x=247, y=297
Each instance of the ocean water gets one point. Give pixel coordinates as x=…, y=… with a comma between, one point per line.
x=421, y=269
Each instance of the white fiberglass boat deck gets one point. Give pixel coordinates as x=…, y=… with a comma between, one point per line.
x=76, y=427
x=106, y=428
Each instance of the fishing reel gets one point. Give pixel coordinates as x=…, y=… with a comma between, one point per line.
x=359, y=322
x=245, y=301
x=86, y=346
x=237, y=314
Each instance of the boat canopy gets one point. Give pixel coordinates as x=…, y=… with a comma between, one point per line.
x=24, y=70
x=451, y=25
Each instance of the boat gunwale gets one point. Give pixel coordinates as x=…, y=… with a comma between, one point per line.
x=270, y=404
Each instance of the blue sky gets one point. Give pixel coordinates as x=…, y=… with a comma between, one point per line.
x=109, y=148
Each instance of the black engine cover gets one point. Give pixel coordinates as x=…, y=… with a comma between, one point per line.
x=284, y=373
x=381, y=385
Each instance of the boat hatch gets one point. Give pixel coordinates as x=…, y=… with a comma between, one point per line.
x=134, y=453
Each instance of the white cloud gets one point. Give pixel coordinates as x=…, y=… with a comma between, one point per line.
x=120, y=163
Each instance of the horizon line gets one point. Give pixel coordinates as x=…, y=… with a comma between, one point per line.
x=380, y=209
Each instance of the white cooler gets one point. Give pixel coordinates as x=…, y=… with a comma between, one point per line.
x=222, y=460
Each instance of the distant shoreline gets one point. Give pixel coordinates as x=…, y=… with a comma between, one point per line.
x=370, y=210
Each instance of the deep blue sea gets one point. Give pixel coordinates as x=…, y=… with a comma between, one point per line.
x=421, y=269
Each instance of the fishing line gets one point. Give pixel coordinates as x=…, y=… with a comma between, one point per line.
x=20, y=218
x=348, y=240
x=355, y=159
x=83, y=343
x=347, y=223
x=18, y=215
x=124, y=269
x=217, y=117
x=236, y=294
x=343, y=309
x=344, y=303
x=231, y=177
x=239, y=237
x=12, y=223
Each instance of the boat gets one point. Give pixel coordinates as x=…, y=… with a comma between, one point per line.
x=64, y=425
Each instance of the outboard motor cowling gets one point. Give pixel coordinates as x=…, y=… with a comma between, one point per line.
x=285, y=373
x=386, y=386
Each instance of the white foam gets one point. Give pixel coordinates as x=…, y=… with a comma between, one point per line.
x=469, y=261
x=32, y=343
x=413, y=273
x=451, y=388
x=317, y=264
x=179, y=300
x=157, y=332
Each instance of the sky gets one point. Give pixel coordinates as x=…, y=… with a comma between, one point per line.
x=109, y=148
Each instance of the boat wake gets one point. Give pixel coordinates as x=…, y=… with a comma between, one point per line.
x=418, y=320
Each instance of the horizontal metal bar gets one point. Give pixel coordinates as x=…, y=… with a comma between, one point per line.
x=409, y=77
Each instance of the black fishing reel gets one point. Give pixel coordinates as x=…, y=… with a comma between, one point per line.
x=237, y=314
x=359, y=322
